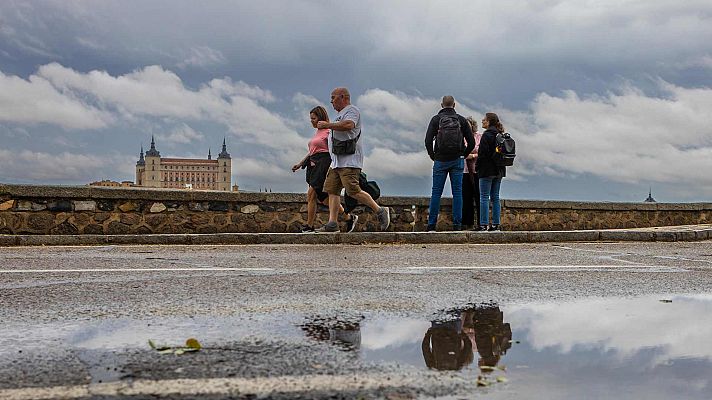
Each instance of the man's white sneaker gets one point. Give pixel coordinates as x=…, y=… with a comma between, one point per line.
x=351, y=223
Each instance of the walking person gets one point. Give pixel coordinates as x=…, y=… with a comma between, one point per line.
x=448, y=140
x=470, y=183
x=346, y=153
x=489, y=173
x=317, y=163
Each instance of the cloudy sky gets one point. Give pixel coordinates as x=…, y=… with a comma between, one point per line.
x=605, y=98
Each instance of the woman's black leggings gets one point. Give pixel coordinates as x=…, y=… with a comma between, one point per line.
x=470, y=201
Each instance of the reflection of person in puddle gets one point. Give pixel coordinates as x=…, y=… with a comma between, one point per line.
x=450, y=345
x=346, y=335
x=446, y=346
x=491, y=335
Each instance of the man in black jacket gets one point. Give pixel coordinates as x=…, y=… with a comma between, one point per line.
x=448, y=140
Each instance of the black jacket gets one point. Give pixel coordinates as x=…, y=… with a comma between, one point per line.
x=433, y=132
x=485, y=165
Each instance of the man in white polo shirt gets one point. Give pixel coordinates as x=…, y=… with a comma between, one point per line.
x=346, y=161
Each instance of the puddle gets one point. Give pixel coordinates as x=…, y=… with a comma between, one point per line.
x=641, y=347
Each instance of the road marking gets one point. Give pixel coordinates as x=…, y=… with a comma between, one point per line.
x=261, y=387
x=551, y=267
x=30, y=271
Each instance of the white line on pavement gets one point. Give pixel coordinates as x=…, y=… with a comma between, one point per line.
x=31, y=271
x=558, y=267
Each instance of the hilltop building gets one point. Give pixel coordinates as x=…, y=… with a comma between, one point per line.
x=110, y=183
x=650, y=198
x=181, y=173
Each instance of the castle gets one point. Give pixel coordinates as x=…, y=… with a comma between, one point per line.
x=182, y=173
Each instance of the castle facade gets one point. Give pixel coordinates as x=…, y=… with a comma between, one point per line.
x=184, y=173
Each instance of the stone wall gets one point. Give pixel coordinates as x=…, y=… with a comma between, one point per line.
x=64, y=210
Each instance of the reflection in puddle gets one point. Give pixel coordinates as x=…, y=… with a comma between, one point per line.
x=450, y=342
x=636, y=347
x=344, y=334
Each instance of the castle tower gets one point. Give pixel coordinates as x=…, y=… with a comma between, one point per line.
x=152, y=177
x=140, y=168
x=224, y=169
x=650, y=198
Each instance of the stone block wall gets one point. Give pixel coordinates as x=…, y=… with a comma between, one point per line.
x=40, y=210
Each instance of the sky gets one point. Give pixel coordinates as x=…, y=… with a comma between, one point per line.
x=605, y=99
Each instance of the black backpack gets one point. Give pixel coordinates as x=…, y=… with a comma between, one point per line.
x=449, y=140
x=504, y=151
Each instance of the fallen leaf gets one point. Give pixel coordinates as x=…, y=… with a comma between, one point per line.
x=193, y=344
x=165, y=351
x=501, y=379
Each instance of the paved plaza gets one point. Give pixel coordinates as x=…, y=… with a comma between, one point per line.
x=349, y=321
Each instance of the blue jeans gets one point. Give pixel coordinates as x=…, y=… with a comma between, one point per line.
x=441, y=169
x=489, y=188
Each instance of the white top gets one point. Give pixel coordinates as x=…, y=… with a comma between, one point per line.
x=355, y=160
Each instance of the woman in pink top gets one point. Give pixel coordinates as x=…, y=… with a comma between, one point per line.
x=317, y=163
x=470, y=185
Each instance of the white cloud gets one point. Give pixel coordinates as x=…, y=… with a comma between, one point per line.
x=627, y=136
x=183, y=134
x=623, y=136
x=385, y=163
x=79, y=100
x=624, y=326
x=376, y=335
x=202, y=56
x=260, y=170
x=36, y=101
x=29, y=166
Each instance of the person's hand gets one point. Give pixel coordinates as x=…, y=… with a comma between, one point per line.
x=295, y=167
x=322, y=124
x=470, y=156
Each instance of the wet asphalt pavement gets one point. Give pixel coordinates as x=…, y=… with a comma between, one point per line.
x=301, y=321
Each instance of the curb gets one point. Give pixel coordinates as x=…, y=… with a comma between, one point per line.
x=659, y=234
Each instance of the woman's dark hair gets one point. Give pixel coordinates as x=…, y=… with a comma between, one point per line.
x=320, y=112
x=493, y=121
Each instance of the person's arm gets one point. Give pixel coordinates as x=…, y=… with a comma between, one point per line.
x=467, y=133
x=429, y=136
x=343, y=125
x=300, y=164
x=483, y=151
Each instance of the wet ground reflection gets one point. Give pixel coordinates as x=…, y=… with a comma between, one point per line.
x=450, y=342
x=651, y=347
